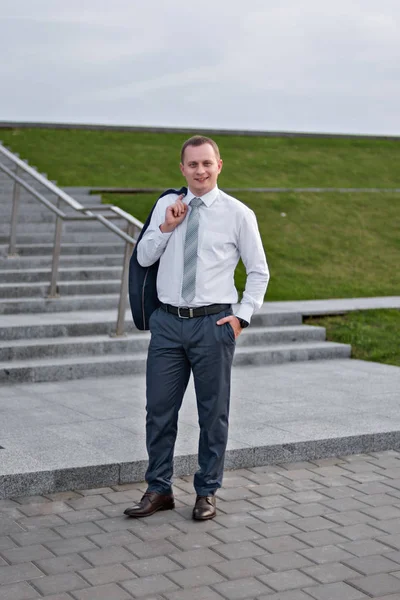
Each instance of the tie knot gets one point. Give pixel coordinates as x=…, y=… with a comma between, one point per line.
x=196, y=202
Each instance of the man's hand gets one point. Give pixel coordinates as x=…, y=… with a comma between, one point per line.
x=174, y=215
x=234, y=321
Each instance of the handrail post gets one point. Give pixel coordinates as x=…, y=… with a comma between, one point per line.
x=12, y=251
x=53, y=291
x=124, y=284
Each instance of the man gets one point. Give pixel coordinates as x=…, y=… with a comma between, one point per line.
x=199, y=239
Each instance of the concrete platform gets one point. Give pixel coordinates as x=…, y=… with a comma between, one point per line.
x=80, y=434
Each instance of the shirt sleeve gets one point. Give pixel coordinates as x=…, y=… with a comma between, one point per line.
x=253, y=257
x=154, y=241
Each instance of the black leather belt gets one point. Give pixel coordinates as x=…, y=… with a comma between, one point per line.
x=199, y=311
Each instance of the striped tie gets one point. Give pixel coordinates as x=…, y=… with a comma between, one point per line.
x=190, y=251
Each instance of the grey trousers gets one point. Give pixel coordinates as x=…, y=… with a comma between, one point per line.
x=177, y=347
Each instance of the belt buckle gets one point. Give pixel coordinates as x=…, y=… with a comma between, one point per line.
x=190, y=313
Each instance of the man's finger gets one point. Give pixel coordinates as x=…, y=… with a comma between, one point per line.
x=177, y=208
x=224, y=320
x=180, y=205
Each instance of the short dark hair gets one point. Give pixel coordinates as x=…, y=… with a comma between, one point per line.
x=199, y=140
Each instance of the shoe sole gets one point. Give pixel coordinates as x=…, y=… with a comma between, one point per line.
x=137, y=516
x=204, y=518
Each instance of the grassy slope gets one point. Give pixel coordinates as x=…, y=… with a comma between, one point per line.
x=101, y=158
x=373, y=334
x=327, y=245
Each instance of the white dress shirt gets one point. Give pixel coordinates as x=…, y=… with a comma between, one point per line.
x=228, y=231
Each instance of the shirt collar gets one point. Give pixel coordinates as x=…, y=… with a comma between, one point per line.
x=208, y=198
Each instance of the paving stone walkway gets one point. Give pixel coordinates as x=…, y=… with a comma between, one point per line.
x=324, y=530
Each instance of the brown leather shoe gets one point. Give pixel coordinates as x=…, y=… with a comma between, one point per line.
x=150, y=503
x=205, y=508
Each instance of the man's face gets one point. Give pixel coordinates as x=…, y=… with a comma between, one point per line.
x=201, y=168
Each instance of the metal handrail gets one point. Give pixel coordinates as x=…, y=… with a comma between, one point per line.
x=48, y=184
x=85, y=214
x=32, y=191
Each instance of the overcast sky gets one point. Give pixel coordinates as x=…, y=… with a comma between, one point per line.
x=288, y=65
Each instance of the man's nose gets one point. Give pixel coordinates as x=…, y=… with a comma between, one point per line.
x=200, y=169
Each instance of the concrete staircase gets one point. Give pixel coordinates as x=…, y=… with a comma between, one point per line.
x=69, y=337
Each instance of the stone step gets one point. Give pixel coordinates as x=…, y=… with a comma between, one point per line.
x=8, y=162
x=36, y=217
x=76, y=249
x=5, y=178
x=68, y=227
x=7, y=189
x=96, y=345
x=21, y=171
x=34, y=207
x=101, y=345
x=30, y=202
x=281, y=353
x=127, y=364
x=70, y=288
x=27, y=327
x=63, y=369
x=26, y=198
x=80, y=194
x=6, y=181
x=82, y=261
x=31, y=207
x=78, y=273
x=73, y=189
x=66, y=303
x=90, y=226
x=266, y=336
x=75, y=324
x=103, y=236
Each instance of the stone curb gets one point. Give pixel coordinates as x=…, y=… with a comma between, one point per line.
x=45, y=482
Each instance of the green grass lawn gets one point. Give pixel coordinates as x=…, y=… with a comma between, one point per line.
x=373, y=334
x=104, y=158
x=326, y=246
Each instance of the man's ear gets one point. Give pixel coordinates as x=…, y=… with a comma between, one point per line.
x=220, y=163
x=182, y=168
